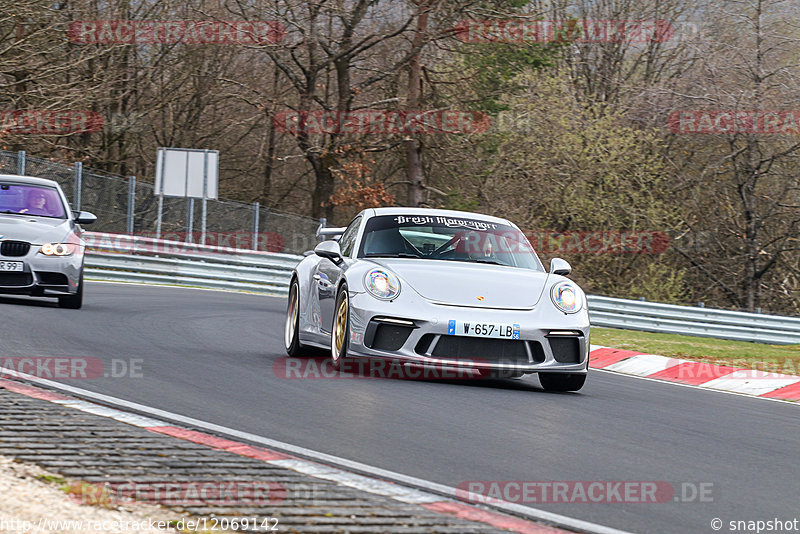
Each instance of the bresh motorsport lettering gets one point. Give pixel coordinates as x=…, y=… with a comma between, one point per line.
x=419, y=220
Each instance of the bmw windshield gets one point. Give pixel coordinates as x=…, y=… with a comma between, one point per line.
x=24, y=199
x=447, y=239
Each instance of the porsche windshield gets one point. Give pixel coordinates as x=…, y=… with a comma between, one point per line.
x=447, y=238
x=22, y=199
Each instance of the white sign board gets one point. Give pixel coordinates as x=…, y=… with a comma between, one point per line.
x=187, y=172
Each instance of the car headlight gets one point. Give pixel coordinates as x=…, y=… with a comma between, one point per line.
x=58, y=249
x=382, y=284
x=566, y=297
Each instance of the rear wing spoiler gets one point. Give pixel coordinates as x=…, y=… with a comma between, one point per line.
x=329, y=232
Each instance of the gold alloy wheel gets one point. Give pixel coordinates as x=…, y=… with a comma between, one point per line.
x=291, y=318
x=341, y=327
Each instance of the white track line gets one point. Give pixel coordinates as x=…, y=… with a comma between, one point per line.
x=692, y=386
x=441, y=489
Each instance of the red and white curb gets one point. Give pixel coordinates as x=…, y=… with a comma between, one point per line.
x=393, y=490
x=705, y=375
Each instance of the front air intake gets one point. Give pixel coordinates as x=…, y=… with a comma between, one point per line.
x=390, y=336
x=481, y=350
x=566, y=349
x=16, y=279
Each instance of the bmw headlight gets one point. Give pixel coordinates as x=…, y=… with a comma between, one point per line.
x=566, y=297
x=58, y=249
x=382, y=284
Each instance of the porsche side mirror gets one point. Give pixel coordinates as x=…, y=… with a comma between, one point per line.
x=559, y=266
x=84, y=217
x=330, y=249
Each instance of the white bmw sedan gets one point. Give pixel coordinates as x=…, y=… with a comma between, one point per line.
x=41, y=249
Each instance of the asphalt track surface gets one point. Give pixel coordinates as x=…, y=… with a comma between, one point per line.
x=210, y=355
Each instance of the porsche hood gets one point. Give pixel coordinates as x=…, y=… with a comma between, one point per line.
x=470, y=284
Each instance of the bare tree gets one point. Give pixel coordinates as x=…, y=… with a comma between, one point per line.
x=746, y=192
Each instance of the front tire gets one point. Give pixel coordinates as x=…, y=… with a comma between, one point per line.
x=291, y=333
x=562, y=381
x=75, y=301
x=340, y=332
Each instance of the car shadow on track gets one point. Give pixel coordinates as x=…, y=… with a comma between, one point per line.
x=29, y=301
x=508, y=384
x=318, y=366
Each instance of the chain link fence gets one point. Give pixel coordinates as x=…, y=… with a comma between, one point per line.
x=124, y=205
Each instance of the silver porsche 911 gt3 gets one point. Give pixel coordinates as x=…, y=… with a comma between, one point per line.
x=440, y=288
x=41, y=250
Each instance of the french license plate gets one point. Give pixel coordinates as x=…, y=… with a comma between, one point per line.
x=491, y=330
x=11, y=266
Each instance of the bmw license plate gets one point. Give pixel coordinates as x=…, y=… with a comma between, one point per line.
x=491, y=330
x=11, y=266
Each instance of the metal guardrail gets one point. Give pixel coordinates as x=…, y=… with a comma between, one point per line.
x=704, y=322
x=142, y=259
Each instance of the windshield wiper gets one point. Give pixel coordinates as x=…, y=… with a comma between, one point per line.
x=392, y=255
x=487, y=261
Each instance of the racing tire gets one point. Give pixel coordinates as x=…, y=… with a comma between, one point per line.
x=291, y=331
x=340, y=332
x=562, y=381
x=74, y=301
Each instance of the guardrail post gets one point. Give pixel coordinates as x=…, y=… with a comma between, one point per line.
x=160, y=215
x=256, y=213
x=76, y=199
x=21, y=162
x=131, y=202
x=323, y=223
x=190, y=220
x=203, y=202
x=203, y=215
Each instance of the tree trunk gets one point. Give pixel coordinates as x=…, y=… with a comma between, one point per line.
x=413, y=150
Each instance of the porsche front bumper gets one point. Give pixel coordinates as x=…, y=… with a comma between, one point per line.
x=421, y=334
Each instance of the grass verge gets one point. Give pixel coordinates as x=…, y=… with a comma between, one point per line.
x=774, y=358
